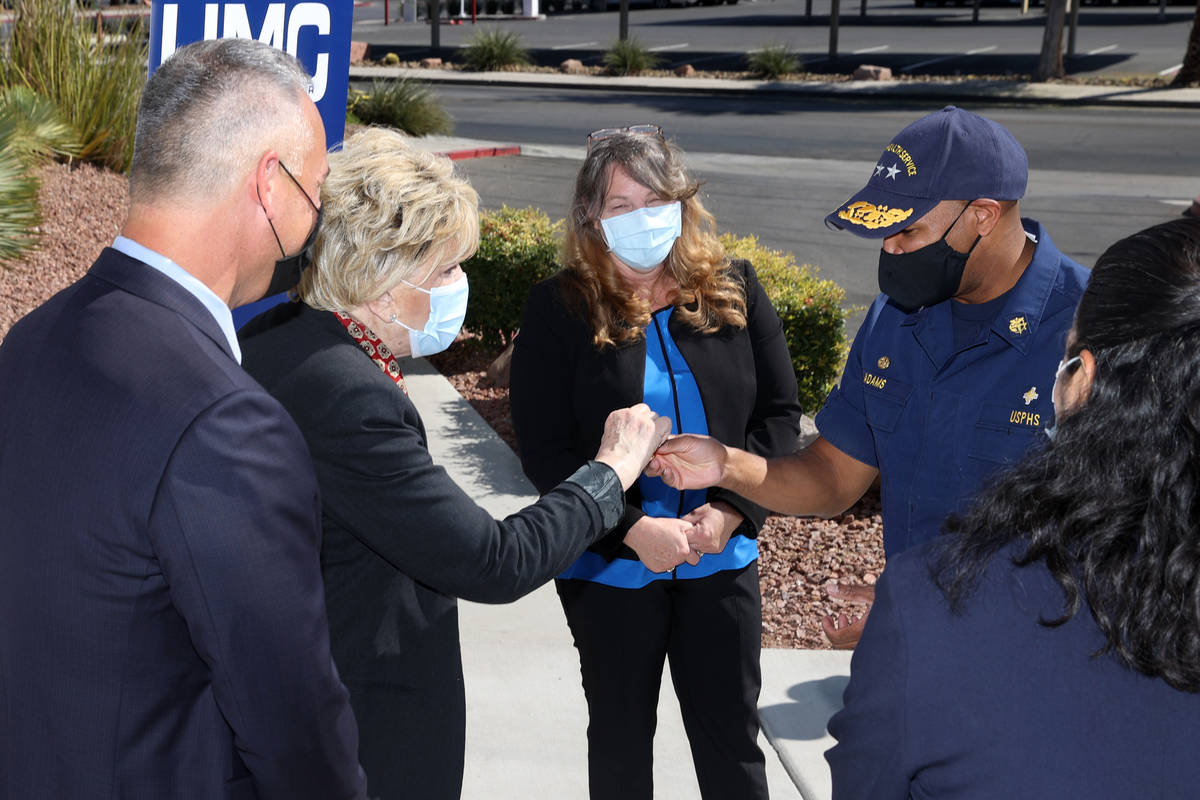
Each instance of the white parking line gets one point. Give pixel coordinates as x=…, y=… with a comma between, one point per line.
x=938, y=60
x=1169, y=70
x=1100, y=50
x=666, y=47
x=569, y=46
x=870, y=49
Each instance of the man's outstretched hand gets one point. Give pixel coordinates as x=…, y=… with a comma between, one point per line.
x=689, y=462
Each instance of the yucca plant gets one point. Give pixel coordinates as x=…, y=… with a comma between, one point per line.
x=773, y=61
x=630, y=57
x=95, y=82
x=19, y=216
x=406, y=104
x=493, y=49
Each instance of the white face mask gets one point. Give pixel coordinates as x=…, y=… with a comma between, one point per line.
x=643, y=239
x=1062, y=366
x=447, y=310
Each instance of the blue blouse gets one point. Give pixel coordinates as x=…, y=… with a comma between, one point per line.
x=670, y=389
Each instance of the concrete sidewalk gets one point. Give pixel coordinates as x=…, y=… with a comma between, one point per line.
x=1008, y=92
x=526, y=716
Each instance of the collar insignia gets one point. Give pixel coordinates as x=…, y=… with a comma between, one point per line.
x=1017, y=325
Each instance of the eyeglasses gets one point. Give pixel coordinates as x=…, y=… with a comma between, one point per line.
x=636, y=130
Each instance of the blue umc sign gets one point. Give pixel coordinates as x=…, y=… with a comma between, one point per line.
x=318, y=33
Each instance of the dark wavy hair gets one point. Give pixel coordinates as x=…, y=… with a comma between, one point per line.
x=1112, y=505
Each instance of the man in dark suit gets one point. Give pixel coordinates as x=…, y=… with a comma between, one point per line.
x=162, y=622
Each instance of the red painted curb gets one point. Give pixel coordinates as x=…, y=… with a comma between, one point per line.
x=481, y=152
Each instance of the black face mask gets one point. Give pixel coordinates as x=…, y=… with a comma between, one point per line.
x=289, y=268
x=924, y=277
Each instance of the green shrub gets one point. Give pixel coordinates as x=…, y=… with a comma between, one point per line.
x=810, y=308
x=493, y=49
x=19, y=215
x=391, y=59
x=773, y=61
x=517, y=248
x=403, y=103
x=95, y=83
x=630, y=57
x=38, y=130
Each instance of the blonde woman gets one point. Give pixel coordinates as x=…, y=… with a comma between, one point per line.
x=401, y=540
x=649, y=309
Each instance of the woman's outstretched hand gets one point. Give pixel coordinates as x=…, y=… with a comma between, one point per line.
x=631, y=436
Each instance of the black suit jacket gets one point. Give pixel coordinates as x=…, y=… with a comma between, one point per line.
x=162, y=624
x=563, y=389
x=402, y=540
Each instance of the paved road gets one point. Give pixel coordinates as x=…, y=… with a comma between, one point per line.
x=1097, y=174
x=1111, y=40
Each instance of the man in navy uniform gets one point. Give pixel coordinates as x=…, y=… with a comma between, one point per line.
x=951, y=373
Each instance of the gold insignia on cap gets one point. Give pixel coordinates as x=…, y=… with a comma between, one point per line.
x=1017, y=325
x=1030, y=396
x=871, y=216
x=884, y=362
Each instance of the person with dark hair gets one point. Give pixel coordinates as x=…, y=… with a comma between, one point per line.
x=163, y=630
x=1049, y=644
x=949, y=376
x=650, y=309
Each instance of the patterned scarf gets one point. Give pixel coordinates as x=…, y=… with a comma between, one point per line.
x=374, y=347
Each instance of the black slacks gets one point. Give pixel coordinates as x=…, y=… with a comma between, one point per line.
x=411, y=739
x=710, y=631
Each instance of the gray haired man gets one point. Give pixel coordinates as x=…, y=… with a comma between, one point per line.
x=162, y=621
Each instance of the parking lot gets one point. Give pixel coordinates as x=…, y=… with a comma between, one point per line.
x=1114, y=41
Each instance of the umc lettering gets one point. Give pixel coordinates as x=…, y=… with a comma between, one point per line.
x=279, y=29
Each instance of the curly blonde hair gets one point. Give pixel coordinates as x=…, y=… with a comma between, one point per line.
x=389, y=210
x=708, y=297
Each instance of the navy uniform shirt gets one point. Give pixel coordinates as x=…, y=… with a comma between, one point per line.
x=936, y=417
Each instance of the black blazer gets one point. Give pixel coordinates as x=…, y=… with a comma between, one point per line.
x=402, y=540
x=563, y=389
x=162, y=621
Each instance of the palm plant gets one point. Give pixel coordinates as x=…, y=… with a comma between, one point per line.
x=95, y=82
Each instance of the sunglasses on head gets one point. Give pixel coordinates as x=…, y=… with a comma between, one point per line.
x=636, y=130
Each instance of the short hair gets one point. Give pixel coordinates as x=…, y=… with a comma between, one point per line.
x=1110, y=506
x=709, y=297
x=388, y=209
x=210, y=112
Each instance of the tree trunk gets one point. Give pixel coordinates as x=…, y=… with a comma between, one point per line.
x=1189, y=73
x=1050, y=65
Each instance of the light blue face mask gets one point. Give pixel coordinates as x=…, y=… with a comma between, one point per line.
x=643, y=239
x=447, y=310
x=1062, y=365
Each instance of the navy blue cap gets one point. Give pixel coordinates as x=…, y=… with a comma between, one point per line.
x=950, y=154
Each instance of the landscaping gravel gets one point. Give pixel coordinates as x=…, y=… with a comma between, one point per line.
x=83, y=208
